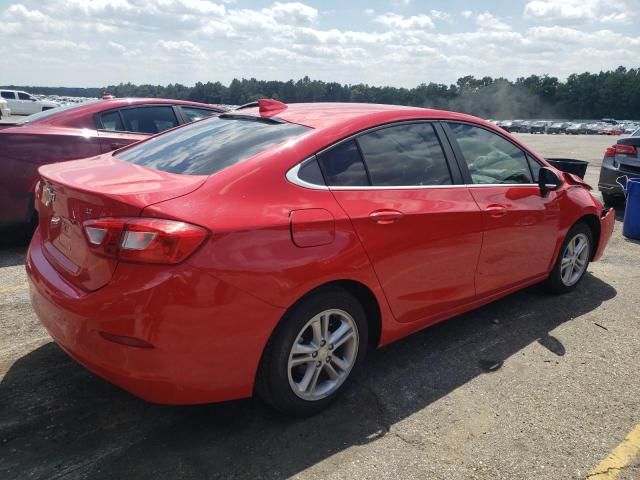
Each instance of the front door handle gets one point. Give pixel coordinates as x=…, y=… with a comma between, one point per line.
x=385, y=217
x=496, y=211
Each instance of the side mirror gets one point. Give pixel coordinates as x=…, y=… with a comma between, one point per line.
x=548, y=181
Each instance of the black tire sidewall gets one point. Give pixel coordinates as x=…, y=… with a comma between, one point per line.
x=274, y=382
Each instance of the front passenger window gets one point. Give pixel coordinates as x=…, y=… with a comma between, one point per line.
x=491, y=159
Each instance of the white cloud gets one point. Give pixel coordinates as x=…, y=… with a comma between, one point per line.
x=180, y=48
x=295, y=13
x=416, y=22
x=168, y=41
x=487, y=21
x=440, y=15
x=582, y=11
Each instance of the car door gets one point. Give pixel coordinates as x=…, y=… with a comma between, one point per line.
x=419, y=226
x=520, y=226
x=120, y=127
x=28, y=104
x=12, y=102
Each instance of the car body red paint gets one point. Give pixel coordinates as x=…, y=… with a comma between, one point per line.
x=424, y=254
x=65, y=135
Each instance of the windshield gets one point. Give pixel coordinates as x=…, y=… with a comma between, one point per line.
x=208, y=146
x=54, y=111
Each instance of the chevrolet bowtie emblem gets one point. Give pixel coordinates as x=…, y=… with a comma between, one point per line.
x=48, y=195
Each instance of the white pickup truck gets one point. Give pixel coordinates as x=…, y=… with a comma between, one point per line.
x=22, y=103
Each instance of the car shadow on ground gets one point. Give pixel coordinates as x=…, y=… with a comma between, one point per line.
x=57, y=419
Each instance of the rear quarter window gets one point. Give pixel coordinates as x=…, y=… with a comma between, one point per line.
x=206, y=147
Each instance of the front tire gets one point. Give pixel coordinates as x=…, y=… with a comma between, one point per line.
x=314, y=354
x=572, y=261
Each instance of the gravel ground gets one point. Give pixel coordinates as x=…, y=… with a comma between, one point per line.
x=427, y=407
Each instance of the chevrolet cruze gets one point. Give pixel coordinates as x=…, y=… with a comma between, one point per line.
x=268, y=249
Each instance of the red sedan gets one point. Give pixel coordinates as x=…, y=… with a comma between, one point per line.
x=267, y=249
x=78, y=131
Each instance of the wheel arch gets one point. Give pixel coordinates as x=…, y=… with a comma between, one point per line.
x=593, y=222
x=360, y=292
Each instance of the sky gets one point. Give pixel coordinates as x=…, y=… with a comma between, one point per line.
x=401, y=43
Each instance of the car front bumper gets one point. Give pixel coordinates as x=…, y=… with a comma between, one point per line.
x=207, y=336
x=607, y=222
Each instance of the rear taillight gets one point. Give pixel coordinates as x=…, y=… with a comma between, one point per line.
x=620, y=149
x=145, y=240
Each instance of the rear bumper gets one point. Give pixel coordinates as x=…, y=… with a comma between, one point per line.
x=207, y=336
x=607, y=222
x=608, y=176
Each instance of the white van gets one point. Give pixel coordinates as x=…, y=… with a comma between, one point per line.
x=22, y=103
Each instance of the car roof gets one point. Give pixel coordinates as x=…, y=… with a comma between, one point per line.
x=81, y=115
x=325, y=115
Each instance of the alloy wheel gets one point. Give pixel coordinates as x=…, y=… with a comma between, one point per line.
x=574, y=259
x=323, y=354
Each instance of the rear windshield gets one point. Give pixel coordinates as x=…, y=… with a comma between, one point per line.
x=208, y=146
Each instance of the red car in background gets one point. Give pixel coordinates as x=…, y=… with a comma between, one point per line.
x=269, y=248
x=79, y=131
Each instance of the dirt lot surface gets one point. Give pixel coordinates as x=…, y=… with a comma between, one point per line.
x=427, y=407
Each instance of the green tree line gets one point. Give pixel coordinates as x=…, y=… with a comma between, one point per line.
x=614, y=93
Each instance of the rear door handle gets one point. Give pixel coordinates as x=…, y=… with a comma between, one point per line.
x=496, y=211
x=385, y=217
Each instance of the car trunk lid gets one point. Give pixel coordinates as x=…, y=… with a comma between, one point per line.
x=72, y=192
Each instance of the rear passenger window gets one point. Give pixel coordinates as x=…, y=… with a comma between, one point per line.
x=491, y=159
x=8, y=95
x=111, y=121
x=192, y=114
x=405, y=155
x=310, y=172
x=149, y=119
x=343, y=167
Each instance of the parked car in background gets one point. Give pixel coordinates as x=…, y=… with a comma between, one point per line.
x=78, y=131
x=23, y=103
x=576, y=129
x=268, y=249
x=524, y=127
x=539, y=127
x=594, y=128
x=620, y=160
x=611, y=130
x=558, y=128
x=507, y=125
x=5, y=111
x=630, y=128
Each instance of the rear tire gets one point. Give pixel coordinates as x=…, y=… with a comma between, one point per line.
x=572, y=261
x=306, y=365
